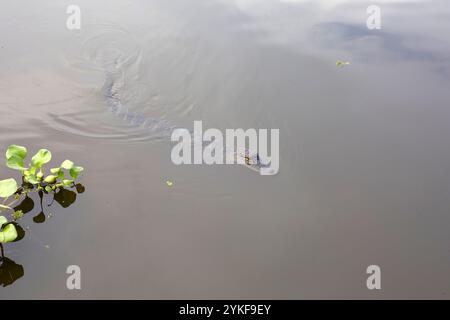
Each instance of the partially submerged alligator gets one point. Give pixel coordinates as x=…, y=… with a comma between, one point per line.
x=161, y=127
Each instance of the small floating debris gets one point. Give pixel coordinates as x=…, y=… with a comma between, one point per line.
x=47, y=246
x=341, y=63
x=169, y=183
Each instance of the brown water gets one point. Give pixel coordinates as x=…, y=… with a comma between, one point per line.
x=364, y=157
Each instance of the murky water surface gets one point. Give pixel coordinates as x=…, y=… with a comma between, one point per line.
x=364, y=155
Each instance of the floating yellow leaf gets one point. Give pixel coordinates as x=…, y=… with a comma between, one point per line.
x=169, y=183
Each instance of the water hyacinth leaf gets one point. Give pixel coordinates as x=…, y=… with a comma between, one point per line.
x=20, y=232
x=33, y=170
x=50, y=179
x=40, y=175
x=3, y=220
x=67, y=182
x=17, y=151
x=31, y=179
x=48, y=188
x=67, y=164
x=58, y=172
x=41, y=157
x=75, y=171
x=8, y=234
x=8, y=187
x=15, y=162
x=55, y=170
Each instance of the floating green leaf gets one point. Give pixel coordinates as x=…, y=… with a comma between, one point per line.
x=14, y=162
x=8, y=234
x=41, y=157
x=33, y=170
x=58, y=172
x=15, y=150
x=50, y=179
x=75, y=171
x=3, y=220
x=15, y=156
x=55, y=170
x=7, y=187
x=67, y=183
x=67, y=164
x=31, y=179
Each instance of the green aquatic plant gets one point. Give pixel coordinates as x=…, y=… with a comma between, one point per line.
x=7, y=187
x=34, y=179
x=34, y=173
x=8, y=231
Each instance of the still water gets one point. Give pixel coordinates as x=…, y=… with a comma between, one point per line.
x=364, y=155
